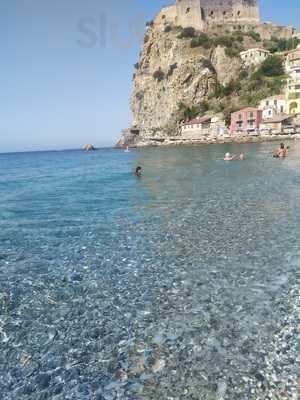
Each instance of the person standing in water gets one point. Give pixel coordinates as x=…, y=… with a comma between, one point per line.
x=282, y=152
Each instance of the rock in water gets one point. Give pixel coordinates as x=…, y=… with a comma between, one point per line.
x=89, y=147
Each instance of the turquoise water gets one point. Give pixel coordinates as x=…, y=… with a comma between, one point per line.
x=170, y=286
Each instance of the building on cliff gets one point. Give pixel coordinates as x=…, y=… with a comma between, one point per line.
x=254, y=56
x=293, y=83
x=201, y=14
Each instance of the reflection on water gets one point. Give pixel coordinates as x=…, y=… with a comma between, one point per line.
x=170, y=286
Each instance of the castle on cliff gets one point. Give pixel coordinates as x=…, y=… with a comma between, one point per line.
x=201, y=14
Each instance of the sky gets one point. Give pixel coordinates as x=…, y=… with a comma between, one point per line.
x=67, y=66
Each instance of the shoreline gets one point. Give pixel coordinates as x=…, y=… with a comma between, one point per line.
x=177, y=141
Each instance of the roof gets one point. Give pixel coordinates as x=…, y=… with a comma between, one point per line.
x=278, y=118
x=198, y=120
x=254, y=49
x=246, y=110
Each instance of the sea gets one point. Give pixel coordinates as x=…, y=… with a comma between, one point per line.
x=171, y=286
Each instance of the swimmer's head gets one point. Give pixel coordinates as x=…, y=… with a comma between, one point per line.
x=282, y=145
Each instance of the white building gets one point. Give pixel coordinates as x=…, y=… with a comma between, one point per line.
x=254, y=57
x=273, y=106
x=196, y=124
x=200, y=127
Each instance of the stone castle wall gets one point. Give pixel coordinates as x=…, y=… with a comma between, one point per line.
x=216, y=11
x=201, y=14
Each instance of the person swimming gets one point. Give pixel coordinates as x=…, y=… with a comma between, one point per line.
x=229, y=157
x=138, y=171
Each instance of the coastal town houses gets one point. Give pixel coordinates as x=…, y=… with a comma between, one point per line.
x=253, y=57
x=293, y=82
x=201, y=127
x=279, y=124
x=273, y=106
x=246, y=121
x=196, y=128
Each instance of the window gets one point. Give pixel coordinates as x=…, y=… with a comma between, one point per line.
x=267, y=102
x=251, y=115
x=188, y=10
x=275, y=102
x=240, y=117
x=281, y=109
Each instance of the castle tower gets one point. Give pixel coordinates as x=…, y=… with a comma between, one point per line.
x=189, y=13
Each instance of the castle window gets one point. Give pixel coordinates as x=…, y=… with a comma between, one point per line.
x=188, y=10
x=211, y=14
x=224, y=13
x=238, y=13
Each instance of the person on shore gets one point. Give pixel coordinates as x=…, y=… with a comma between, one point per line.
x=138, y=171
x=282, y=152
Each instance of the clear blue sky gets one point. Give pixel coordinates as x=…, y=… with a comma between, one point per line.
x=67, y=65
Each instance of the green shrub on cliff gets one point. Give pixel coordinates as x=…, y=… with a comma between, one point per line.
x=168, y=28
x=171, y=70
x=271, y=67
x=278, y=45
x=224, y=41
x=254, y=35
x=159, y=75
x=232, y=52
x=187, y=33
x=187, y=112
x=202, y=40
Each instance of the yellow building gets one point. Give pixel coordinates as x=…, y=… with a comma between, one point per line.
x=293, y=83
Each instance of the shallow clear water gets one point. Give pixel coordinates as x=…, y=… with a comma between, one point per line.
x=171, y=286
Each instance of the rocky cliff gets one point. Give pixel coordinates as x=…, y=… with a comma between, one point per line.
x=171, y=73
